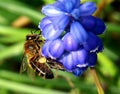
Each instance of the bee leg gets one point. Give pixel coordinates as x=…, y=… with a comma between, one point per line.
x=33, y=62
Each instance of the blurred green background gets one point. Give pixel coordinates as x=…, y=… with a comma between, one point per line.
x=19, y=17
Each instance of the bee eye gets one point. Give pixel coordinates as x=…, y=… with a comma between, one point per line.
x=29, y=38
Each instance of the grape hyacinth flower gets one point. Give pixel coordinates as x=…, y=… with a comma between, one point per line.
x=71, y=32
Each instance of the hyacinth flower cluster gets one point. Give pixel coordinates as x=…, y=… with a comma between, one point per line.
x=71, y=34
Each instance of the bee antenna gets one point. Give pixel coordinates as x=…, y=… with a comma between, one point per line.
x=40, y=33
x=32, y=32
x=35, y=31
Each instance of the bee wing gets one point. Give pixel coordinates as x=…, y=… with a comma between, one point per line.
x=24, y=67
x=24, y=64
x=55, y=65
x=31, y=73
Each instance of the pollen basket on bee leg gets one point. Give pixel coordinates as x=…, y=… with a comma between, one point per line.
x=42, y=60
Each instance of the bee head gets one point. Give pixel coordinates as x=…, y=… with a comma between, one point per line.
x=32, y=37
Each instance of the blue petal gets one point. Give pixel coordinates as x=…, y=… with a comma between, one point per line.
x=60, y=5
x=79, y=71
x=45, y=49
x=78, y=32
x=61, y=21
x=51, y=10
x=76, y=13
x=69, y=61
x=60, y=60
x=82, y=56
x=60, y=0
x=96, y=45
x=69, y=4
x=92, y=59
x=88, y=22
x=56, y=48
x=87, y=8
x=69, y=43
x=100, y=27
x=75, y=59
x=44, y=22
x=100, y=45
x=50, y=32
x=92, y=43
x=75, y=3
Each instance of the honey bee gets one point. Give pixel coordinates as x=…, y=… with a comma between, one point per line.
x=34, y=62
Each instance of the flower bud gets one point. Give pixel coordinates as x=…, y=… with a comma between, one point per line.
x=69, y=61
x=78, y=32
x=88, y=22
x=82, y=56
x=79, y=71
x=100, y=27
x=56, y=48
x=45, y=49
x=92, y=59
x=69, y=42
x=92, y=43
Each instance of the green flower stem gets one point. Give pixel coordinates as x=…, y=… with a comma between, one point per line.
x=101, y=6
x=97, y=82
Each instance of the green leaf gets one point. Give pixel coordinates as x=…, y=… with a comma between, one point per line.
x=110, y=54
x=112, y=27
x=12, y=35
x=21, y=9
x=3, y=20
x=49, y=1
x=59, y=83
x=10, y=31
x=19, y=87
x=11, y=50
x=107, y=67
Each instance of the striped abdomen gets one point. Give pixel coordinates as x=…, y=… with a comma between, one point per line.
x=41, y=69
